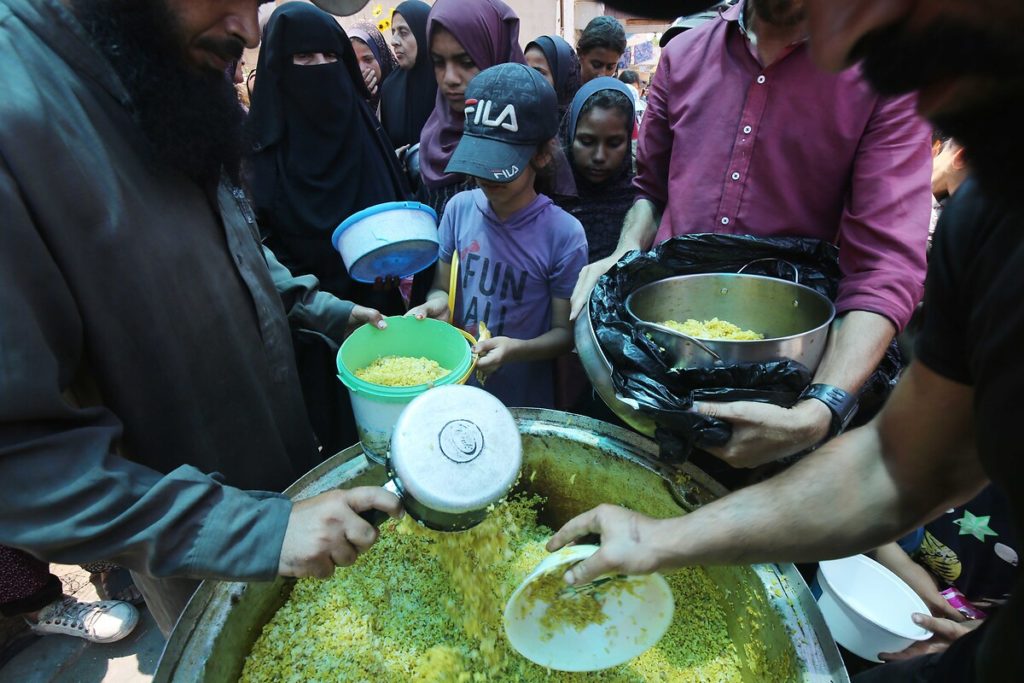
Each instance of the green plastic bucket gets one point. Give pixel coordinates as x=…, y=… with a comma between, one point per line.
x=376, y=408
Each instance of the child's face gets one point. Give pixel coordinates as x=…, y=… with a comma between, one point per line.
x=453, y=68
x=601, y=144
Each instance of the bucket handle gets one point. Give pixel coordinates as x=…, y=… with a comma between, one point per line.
x=472, y=364
x=796, y=271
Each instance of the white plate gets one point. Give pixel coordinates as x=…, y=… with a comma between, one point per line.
x=637, y=619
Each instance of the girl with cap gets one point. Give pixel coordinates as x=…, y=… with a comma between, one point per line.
x=465, y=37
x=556, y=61
x=519, y=254
x=375, y=59
x=598, y=142
x=408, y=94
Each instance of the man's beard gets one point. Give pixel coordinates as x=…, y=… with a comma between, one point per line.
x=783, y=13
x=896, y=61
x=190, y=116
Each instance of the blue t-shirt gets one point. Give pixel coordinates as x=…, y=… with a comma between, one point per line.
x=510, y=271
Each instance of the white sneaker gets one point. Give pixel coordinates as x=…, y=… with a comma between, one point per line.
x=105, y=621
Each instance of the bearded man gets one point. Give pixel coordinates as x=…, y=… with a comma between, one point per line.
x=744, y=135
x=149, y=400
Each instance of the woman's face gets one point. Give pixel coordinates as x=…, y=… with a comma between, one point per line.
x=364, y=55
x=313, y=58
x=535, y=59
x=453, y=68
x=403, y=42
x=601, y=144
x=598, y=62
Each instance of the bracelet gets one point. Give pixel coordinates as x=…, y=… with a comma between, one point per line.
x=842, y=404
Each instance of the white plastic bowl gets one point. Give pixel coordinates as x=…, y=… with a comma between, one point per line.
x=637, y=620
x=868, y=608
x=394, y=239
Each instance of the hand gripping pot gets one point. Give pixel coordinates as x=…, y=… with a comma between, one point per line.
x=396, y=239
x=455, y=451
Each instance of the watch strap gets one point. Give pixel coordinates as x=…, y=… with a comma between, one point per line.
x=841, y=403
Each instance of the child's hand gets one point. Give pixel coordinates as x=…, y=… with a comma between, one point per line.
x=493, y=353
x=434, y=307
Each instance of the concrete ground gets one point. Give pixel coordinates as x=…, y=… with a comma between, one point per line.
x=28, y=658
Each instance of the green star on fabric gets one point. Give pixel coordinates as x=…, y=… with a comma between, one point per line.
x=975, y=526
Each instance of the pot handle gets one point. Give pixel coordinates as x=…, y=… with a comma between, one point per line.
x=693, y=340
x=796, y=271
x=377, y=517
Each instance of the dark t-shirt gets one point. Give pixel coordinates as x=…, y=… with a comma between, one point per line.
x=973, y=333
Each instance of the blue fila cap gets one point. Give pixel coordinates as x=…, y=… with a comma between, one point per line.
x=510, y=110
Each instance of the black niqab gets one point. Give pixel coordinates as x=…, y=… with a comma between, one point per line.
x=407, y=97
x=319, y=154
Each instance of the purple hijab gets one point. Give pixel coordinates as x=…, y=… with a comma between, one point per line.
x=489, y=32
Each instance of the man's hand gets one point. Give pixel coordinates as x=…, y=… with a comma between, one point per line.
x=435, y=307
x=494, y=353
x=586, y=281
x=944, y=633
x=326, y=531
x=370, y=78
x=361, y=315
x=630, y=543
x=763, y=432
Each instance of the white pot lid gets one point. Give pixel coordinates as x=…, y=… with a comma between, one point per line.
x=456, y=449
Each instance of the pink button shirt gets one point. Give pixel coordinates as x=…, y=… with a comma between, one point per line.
x=731, y=146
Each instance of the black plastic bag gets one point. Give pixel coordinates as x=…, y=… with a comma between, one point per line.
x=641, y=371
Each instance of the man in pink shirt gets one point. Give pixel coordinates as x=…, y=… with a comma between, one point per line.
x=743, y=134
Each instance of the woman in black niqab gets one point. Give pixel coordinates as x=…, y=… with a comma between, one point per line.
x=407, y=96
x=319, y=154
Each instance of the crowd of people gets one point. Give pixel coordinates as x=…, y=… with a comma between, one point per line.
x=171, y=303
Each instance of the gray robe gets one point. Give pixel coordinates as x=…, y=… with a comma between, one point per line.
x=145, y=344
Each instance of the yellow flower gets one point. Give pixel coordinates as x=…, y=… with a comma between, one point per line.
x=378, y=10
x=383, y=25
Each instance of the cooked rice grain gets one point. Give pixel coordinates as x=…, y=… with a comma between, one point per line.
x=713, y=329
x=401, y=371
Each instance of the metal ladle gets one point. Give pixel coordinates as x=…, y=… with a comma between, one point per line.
x=676, y=342
x=455, y=452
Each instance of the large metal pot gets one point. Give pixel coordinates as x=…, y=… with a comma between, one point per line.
x=599, y=372
x=794, y=319
x=223, y=620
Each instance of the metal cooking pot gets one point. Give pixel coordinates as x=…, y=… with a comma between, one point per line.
x=599, y=372
x=574, y=463
x=793, y=318
x=455, y=450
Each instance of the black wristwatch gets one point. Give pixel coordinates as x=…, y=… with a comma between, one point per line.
x=841, y=404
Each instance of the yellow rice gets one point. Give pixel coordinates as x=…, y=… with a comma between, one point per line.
x=401, y=371
x=713, y=329
x=427, y=607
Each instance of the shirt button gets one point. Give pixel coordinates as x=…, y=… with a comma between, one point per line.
x=725, y=220
x=747, y=129
x=735, y=176
x=761, y=79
